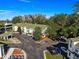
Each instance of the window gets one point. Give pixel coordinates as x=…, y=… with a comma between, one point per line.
x=69, y=53
x=71, y=43
x=9, y=36
x=76, y=50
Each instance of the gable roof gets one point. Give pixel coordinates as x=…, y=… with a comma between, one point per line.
x=29, y=25
x=17, y=52
x=6, y=34
x=75, y=39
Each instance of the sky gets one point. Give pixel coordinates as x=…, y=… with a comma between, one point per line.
x=11, y=8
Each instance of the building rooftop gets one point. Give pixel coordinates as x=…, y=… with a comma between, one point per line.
x=8, y=24
x=75, y=39
x=17, y=52
x=29, y=25
x=77, y=44
x=6, y=33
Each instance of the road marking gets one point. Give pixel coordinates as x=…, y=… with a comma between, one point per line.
x=44, y=52
x=25, y=54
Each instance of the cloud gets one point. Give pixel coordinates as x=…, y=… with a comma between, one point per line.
x=6, y=12
x=27, y=1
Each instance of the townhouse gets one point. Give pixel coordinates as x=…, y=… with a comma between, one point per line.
x=6, y=31
x=28, y=28
x=73, y=48
x=12, y=53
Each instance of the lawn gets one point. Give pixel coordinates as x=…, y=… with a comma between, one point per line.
x=49, y=56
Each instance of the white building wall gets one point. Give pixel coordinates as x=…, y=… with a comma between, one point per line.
x=71, y=56
x=31, y=30
x=25, y=30
x=15, y=28
x=72, y=49
x=0, y=52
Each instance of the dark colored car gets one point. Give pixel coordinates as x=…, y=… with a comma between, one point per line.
x=53, y=50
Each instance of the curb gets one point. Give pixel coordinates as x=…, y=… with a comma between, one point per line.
x=44, y=54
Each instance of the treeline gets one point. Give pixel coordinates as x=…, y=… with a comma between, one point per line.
x=59, y=24
x=63, y=24
x=37, y=18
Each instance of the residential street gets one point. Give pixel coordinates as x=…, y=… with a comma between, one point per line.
x=33, y=50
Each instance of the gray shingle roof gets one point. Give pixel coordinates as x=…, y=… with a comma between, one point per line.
x=29, y=25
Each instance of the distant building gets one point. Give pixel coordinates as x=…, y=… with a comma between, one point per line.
x=6, y=35
x=5, y=31
x=28, y=28
x=73, y=48
x=7, y=26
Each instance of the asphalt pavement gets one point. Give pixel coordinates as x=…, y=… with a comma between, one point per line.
x=33, y=50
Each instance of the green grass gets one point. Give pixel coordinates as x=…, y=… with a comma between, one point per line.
x=57, y=56
x=6, y=33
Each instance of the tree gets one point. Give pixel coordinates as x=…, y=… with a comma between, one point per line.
x=40, y=19
x=19, y=30
x=77, y=34
x=17, y=19
x=72, y=24
x=37, y=33
x=76, y=7
x=37, y=18
x=7, y=20
x=2, y=22
x=56, y=25
x=60, y=19
x=70, y=20
x=32, y=18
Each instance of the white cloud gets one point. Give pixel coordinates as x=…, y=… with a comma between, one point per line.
x=27, y=1
x=77, y=12
x=6, y=12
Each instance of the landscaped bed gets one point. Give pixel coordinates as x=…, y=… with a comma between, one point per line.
x=11, y=41
x=49, y=56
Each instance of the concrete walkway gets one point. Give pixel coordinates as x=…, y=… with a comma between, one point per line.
x=9, y=53
x=44, y=52
x=33, y=50
x=25, y=55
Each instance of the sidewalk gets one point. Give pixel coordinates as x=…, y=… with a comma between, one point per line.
x=9, y=53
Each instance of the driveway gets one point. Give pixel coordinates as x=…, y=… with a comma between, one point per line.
x=33, y=50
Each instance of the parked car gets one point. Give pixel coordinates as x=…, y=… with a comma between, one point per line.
x=53, y=50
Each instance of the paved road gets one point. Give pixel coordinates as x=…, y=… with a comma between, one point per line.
x=33, y=50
